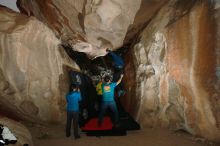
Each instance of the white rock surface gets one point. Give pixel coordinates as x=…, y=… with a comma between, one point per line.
x=32, y=78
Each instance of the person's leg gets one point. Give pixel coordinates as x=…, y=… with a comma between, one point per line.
x=104, y=106
x=99, y=103
x=75, y=125
x=68, y=123
x=115, y=112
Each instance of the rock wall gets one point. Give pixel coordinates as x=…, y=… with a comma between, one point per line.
x=91, y=25
x=172, y=70
x=32, y=77
x=175, y=62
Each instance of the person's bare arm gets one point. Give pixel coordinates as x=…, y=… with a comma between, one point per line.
x=119, y=81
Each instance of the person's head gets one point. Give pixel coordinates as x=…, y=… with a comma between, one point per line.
x=107, y=79
x=73, y=87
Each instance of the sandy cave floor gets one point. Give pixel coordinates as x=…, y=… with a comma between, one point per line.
x=54, y=135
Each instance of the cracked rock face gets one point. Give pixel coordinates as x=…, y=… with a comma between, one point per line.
x=99, y=23
x=32, y=78
x=175, y=71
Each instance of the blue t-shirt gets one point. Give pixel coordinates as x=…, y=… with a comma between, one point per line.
x=73, y=99
x=108, y=91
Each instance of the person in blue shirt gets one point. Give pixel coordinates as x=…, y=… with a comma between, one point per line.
x=108, y=100
x=73, y=98
x=118, y=62
x=118, y=65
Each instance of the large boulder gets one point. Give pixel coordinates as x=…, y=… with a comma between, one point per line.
x=175, y=70
x=91, y=25
x=32, y=77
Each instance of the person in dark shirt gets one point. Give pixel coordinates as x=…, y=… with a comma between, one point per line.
x=73, y=98
x=118, y=65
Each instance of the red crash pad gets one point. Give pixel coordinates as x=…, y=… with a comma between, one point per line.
x=92, y=124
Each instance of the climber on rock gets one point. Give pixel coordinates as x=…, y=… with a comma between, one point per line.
x=118, y=65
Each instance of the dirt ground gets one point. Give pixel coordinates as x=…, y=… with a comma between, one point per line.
x=55, y=136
